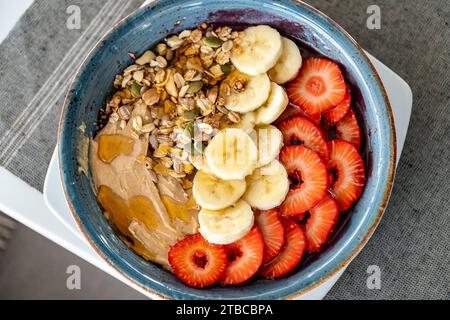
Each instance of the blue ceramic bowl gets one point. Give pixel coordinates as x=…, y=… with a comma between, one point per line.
x=297, y=20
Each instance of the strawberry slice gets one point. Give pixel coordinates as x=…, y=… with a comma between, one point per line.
x=319, y=86
x=310, y=177
x=269, y=222
x=306, y=132
x=348, y=168
x=291, y=254
x=244, y=256
x=321, y=223
x=348, y=129
x=337, y=113
x=292, y=111
x=196, y=262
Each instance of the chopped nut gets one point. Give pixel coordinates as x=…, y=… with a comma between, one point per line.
x=216, y=71
x=116, y=100
x=160, y=76
x=169, y=55
x=223, y=57
x=151, y=96
x=212, y=94
x=146, y=57
x=239, y=86
x=161, y=48
x=196, y=36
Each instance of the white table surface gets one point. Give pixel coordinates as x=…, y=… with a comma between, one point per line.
x=50, y=216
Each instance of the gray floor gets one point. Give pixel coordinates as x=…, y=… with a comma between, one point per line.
x=32, y=267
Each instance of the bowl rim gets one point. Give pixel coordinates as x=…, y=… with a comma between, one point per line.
x=328, y=275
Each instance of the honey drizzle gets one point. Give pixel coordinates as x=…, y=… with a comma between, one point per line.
x=112, y=145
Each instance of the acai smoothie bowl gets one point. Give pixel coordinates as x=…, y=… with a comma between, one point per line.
x=227, y=149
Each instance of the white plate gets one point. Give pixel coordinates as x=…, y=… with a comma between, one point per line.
x=401, y=100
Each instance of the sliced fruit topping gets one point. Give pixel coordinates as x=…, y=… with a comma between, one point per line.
x=337, y=113
x=258, y=50
x=293, y=111
x=289, y=63
x=214, y=193
x=300, y=130
x=196, y=262
x=247, y=123
x=319, y=86
x=267, y=186
x=231, y=154
x=309, y=176
x=269, y=222
x=227, y=225
x=348, y=129
x=290, y=255
x=269, y=141
x=321, y=223
x=274, y=106
x=348, y=168
x=244, y=93
x=244, y=258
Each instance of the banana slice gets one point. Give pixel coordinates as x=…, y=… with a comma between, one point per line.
x=269, y=141
x=244, y=93
x=274, y=106
x=267, y=187
x=231, y=154
x=227, y=225
x=247, y=123
x=213, y=193
x=289, y=63
x=199, y=162
x=258, y=50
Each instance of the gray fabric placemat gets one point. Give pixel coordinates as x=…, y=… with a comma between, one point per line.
x=411, y=244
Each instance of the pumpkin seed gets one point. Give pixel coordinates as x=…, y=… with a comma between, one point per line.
x=195, y=86
x=226, y=68
x=189, y=130
x=136, y=90
x=212, y=42
x=192, y=114
x=199, y=147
